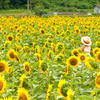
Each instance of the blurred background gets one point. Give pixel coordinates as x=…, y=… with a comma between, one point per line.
x=39, y=7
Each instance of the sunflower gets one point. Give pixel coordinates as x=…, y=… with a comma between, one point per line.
x=75, y=52
x=26, y=49
x=27, y=68
x=43, y=66
x=11, y=54
x=95, y=50
x=42, y=31
x=37, y=55
x=37, y=49
x=18, y=48
x=98, y=56
x=3, y=66
x=73, y=42
x=22, y=80
x=82, y=57
x=68, y=33
x=77, y=31
x=23, y=94
x=66, y=70
x=2, y=84
x=10, y=37
x=52, y=46
x=48, y=92
x=9, y=70
x=98, y=33
x=34, y=45
x=97, y=80
x=98, y=44
x=60, y=57
x=87, y=62
x=60, y=47
x=49, y=54
x=63, y=89
x=73, y=61
x=4, y=32
x=7, y=98
x=6, y=44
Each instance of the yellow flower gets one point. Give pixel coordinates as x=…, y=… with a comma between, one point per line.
x=98, y=56
x=97, y=80
x=18, y=48
x=75, y=52
x=26, y=49
x=37, y=49
x=34, y=45
x=73, y=61
x=2, y=84
x=95, y=50
x=63, y=90
x=98, y=44
x=10, y=37
x=93, y=92
x=22, y=80
x=50, y=52
x=43, y=66
x=87, y=62
x=60, y=47
x=53, y=46
x=23, y=94
x=66, y=70
x=7, y=98
x=42, y=31
x=6, y=44
x=37, y=55
x=11, y=54
x=4, y=32
x=48, y=92
x=9, y=70
x=82, y=57
x=3, y=66
x=27, y=68
x=60, y=57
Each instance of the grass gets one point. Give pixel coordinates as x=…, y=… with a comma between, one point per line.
x=16, y=12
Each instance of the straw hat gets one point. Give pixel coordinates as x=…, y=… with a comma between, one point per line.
x=86, y=40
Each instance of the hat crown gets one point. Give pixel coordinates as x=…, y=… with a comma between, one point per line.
x=87, y=40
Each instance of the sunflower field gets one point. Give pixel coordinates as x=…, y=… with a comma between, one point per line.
x=40, y=58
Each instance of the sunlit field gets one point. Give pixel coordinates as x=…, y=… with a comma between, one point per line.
x=40, y=58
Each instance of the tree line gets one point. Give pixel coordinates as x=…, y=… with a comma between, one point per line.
x=49, y=5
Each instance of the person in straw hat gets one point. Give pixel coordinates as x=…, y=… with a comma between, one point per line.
x=86, y=48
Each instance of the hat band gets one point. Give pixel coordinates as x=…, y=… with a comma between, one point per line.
x=85, y=41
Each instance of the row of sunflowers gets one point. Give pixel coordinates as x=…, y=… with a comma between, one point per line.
x=40, y=58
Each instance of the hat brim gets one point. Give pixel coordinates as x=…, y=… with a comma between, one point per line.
x=84, y=42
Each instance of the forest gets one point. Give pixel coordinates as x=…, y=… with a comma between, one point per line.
x=44, y=6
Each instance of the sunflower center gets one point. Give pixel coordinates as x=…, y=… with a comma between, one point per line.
x=1, y=85
x=27, y=68
x=82, y=58
x=98, y=80
x=64, y=89
x=98, y=57
x=10, y=38
x=96, y=51
x=42, y=31
x=60, y=47
x=12, y=55
x=22, y=97
x=77, y=31
x=2, y=67
x=73, y=61
x=44, y=66
x=76, y=53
